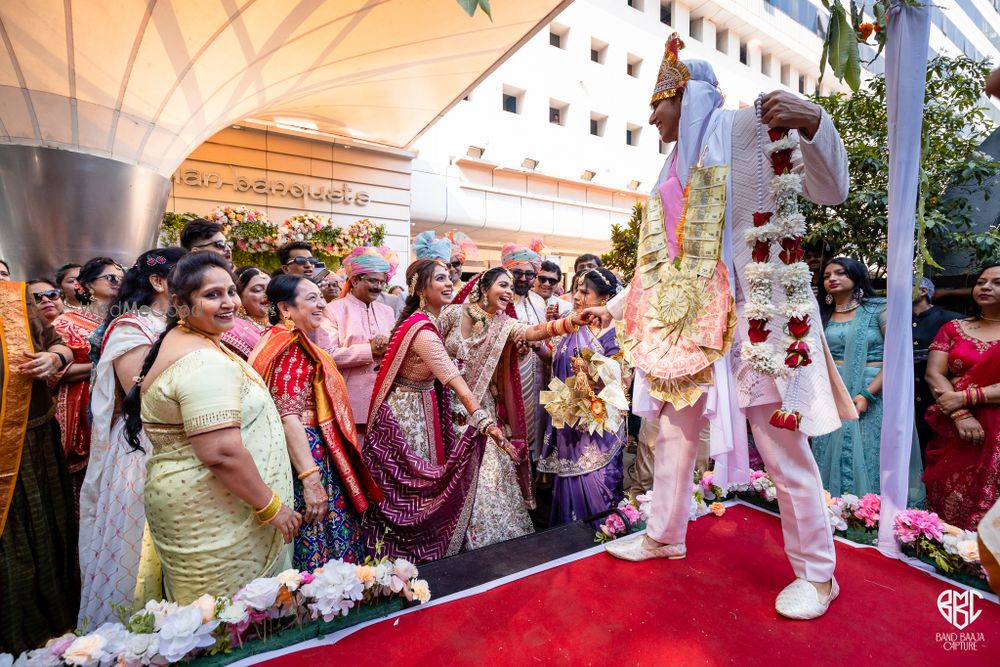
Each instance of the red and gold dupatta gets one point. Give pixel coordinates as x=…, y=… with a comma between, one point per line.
x=333, y=410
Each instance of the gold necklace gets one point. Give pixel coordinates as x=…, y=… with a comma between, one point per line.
x=191, y=330
x=259, y=323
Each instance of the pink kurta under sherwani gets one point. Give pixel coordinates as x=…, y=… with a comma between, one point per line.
x=351, y=325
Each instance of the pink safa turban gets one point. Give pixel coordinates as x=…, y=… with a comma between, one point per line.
x=462, y=247
x=366, y=259
x=512, y=254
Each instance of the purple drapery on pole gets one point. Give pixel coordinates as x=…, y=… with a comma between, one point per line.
x=905, y=79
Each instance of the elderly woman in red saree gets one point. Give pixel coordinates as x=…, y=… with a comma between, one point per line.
x=963, y=370
x=333, y=486
x=481, y=332
x=427, y=468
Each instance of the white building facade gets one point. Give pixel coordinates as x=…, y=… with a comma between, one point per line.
x=555, y=144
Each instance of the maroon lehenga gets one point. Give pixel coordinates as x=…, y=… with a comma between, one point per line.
x=426, y=469
x=962, y=478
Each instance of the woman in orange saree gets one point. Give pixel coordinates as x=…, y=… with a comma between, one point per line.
x=333, y=486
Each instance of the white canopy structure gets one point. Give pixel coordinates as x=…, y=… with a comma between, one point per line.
x=142, y=83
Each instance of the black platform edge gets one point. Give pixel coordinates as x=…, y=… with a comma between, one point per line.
x=475, y=568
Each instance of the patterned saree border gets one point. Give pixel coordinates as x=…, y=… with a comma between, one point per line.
x=15, y=331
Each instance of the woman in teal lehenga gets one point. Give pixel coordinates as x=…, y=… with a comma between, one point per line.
x=854, y=323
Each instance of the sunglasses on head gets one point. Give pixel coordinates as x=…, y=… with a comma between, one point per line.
x=218, y=245
x=546, y=280
x=51, y=295
x=302, y=261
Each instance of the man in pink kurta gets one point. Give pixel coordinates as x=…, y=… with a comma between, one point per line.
x=358, y=325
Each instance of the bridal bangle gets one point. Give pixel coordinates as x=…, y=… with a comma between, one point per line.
x=269, y=511
x=307, y=472
x=960, y=414
x=478, y=418
x=974, y=396
x=487, y=425
x=561, y=327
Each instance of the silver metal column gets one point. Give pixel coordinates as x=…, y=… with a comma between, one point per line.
x=57, y=206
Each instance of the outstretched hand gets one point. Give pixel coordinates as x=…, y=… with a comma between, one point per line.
x=783, y=109
x=595, y=315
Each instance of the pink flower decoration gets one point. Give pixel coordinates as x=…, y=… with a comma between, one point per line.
x=631, y=513
x=912, y=524
x=868, y=509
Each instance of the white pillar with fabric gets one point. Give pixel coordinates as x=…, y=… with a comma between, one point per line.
x=905, y=79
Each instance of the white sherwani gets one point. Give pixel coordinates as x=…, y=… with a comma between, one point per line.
x=738, y=394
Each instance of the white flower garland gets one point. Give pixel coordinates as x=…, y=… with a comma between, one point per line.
x=764, y=278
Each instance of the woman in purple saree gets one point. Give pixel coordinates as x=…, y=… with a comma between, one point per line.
x=425, y=467
x=587, y=467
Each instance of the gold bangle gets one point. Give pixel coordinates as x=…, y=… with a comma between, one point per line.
x=570, y=326
x=960, y=414
x=269, y=511
x=306, y=473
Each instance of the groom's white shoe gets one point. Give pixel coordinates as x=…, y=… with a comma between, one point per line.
x=635, y=549
x=802, y=602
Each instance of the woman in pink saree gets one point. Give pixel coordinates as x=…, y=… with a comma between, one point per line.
x=963, y=369
x=251, y=317
x=426, y=469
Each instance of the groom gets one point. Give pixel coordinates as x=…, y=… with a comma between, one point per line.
x=684, y=313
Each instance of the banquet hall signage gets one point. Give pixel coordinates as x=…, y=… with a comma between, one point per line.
x=337, y=193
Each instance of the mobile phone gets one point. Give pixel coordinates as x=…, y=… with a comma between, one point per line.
x=318, y=278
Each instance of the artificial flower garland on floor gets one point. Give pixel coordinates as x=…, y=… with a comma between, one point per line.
x=164, y=632
x=783, y=228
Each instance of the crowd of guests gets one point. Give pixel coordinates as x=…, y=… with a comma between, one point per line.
x=193, y=425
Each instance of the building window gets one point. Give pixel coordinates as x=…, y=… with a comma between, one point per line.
x=597, y=123
x=558, y=34
x=598, y=51
x=744, y=58
x=765, y=64
x=802, y=84
x=722, y=41
x=632, y=65
x=635, y=4
x=696, y=30
x=632, y=134
x=666, y=13
x=513, y=99
x=786, y=74
x=557, y=112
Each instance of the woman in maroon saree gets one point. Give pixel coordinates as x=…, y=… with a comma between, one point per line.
x=425, y=468
x=963, y=369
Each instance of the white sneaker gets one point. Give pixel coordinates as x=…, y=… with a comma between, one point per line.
x=635, y=549
x=802, y=602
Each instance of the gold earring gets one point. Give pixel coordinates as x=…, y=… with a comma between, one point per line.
x=423, y=302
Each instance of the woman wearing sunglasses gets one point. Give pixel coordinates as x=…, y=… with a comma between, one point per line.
x=48, y=299
x=99, y=280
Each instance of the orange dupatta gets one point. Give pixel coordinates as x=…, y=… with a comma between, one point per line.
x=333, y=410
x=15, y=333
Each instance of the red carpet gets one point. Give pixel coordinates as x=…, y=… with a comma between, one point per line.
x=713, y=608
